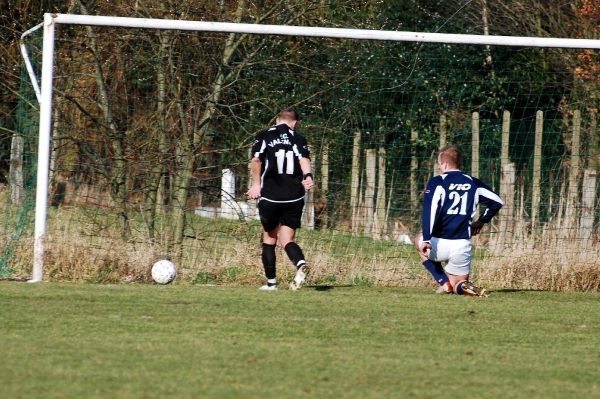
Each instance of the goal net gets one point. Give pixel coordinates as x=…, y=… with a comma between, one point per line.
x=151, y=122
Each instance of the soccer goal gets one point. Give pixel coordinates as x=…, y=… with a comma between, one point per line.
x=145, y=127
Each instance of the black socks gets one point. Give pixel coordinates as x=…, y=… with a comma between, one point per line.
x=295, y=254
x=268, y=260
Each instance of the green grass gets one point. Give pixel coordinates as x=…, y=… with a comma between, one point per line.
x=64, y=341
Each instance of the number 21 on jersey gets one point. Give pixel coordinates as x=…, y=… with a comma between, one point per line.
x=458, y=201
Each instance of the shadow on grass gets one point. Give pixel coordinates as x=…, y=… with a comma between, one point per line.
x=329, y=287
x=16, y=279
x=503, y=290
x=522, y=290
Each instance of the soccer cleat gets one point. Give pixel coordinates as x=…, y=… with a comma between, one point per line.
x=268, y=287
x=470, y=289
x=300, y=277
x=445, y=288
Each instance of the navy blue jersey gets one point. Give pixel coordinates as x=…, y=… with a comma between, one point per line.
x=450, y=203
x=280, y=150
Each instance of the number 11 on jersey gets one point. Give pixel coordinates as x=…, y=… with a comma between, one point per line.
x=286, y=157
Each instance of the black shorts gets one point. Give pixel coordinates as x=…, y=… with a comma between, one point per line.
x=273, y=214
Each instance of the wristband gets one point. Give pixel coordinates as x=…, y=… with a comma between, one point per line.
x=308, y=175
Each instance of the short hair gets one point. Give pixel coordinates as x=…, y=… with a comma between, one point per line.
x=451, y=156
x=289, y=114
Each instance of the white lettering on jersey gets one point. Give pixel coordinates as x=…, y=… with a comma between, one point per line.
x=460, y=187
x=282, y=140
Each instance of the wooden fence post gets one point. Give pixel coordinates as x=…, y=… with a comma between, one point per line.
x=354, y=196
x=308, y=214
x=16, y=168
x=380, y=210
x=475, y=145
x=537, y=169
x=588, y=188
x=507, y=190
x=572, y=192
x=371, y=161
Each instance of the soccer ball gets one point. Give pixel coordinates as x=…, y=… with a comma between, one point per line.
x=164, y=271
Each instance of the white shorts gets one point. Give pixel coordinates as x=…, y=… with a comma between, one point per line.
x=457, y=254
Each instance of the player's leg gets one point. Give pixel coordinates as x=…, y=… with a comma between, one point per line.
x=293, y=250
x=434, y=268
x=458, y=269
x=269, y=259
x=465, y=287
x=455, y=280
x=270, y=223
x=290, y=221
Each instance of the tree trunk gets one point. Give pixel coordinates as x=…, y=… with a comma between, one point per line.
x=443, y=140
x=325, y=185
x=117, y=173
x=197, y=136
x=414, y=170
x=155, y=176
x=181, y=188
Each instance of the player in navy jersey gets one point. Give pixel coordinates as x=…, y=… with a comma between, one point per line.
x=281, y=174
x=449, y=206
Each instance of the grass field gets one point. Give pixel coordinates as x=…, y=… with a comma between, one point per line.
x=62, y=340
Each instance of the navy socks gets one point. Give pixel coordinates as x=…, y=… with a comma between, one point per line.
x=437, y=271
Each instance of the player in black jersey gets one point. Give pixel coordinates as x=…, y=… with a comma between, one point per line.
x=281, y=174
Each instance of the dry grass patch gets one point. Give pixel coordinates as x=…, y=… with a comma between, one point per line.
x=87, y=246
x=542, y=269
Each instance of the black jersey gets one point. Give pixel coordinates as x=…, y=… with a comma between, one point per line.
x=280, y=150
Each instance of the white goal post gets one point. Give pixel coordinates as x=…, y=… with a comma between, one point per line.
x=44, y=92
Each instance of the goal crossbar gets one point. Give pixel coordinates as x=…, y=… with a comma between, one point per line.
x=339, y=33
x=45, y=89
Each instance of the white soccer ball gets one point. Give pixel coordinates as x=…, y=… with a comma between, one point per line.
x=164, y=271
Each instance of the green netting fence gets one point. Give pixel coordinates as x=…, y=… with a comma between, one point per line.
x=149, y=126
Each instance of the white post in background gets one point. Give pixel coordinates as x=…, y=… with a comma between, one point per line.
x=228, y=204
x=308, y=213
x=41, y=199
x=251, y=203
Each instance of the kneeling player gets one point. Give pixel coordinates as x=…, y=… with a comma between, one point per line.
x=449, y=205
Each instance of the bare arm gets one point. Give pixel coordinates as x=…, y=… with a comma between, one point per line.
x=306, y=167
x=423, y=248
x=476, y=228
x=254, y=191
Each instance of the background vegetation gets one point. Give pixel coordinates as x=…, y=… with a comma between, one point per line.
x=145, y=122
